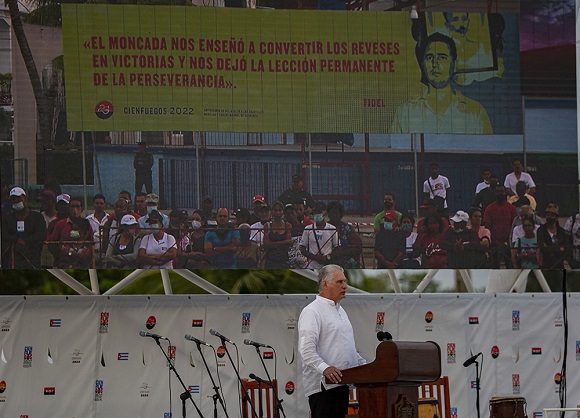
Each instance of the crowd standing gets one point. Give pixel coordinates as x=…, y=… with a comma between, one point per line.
x=501, y=229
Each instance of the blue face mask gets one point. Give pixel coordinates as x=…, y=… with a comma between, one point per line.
x=151, y=208
x=388, y=226
x=318, y=218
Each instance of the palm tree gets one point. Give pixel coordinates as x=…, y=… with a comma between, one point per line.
x=42, y=100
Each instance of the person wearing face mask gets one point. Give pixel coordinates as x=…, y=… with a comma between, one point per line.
x=124, y=245
x=388, y=204
x=389, y=242
x=462, y=244
x=553, y=244
x=152, y=203
x=73, y=238
x=158, y=249
x=193, y=255
x=498, y=217
x=111, y=227
x=411, y=260
x=62, y=209
x=349, y=250
x=23, y=232
x=319, y=239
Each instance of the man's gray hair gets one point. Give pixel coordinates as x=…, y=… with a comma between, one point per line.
x=325, y=272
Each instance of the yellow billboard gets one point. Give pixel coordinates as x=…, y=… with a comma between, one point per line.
x=152, y=68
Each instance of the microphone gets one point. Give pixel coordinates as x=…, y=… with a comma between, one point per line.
x=384, y=336
x=150, y=334
x=255, y=344
x=259, y=379
x=471, y=360
x=217, y=334
x=195, y=340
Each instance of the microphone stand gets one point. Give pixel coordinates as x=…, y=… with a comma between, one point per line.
x=216, y=396
x=477, y=387
x=279, y=406
x=245, y=396
x=185, y=395
x=260, y=407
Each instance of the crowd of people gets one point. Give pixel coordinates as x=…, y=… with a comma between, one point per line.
x=501, y=229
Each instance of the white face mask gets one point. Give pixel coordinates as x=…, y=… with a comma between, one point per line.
x=18, y=206
x=196, y=224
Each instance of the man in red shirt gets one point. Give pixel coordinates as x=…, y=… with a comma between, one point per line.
x=72, y=239
x=498, y=218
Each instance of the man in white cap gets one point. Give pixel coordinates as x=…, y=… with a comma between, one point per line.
x=460, y=242
x=152, y=202
x=23, y=232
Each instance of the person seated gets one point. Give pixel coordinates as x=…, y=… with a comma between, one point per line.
x=484, y=235
x=221, y=243
x=349, y=250
x=247, y=251
x=553, y=243
x=517, y=228
x=429, y=244
x=319, y=239
x=292, y=218
x=277, y=239
x=522, y=197
x=411, y=260
x=123, y=247
x=193, y=257
x=389, y=243
x=158, y=249
x=73, y=238
x=428, y=208
x=462, y=244
x=525, y=247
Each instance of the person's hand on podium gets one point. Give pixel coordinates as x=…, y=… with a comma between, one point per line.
x=333, y=374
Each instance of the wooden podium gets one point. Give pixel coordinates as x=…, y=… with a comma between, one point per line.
x=388, y=387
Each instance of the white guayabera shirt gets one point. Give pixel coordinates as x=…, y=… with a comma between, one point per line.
x=325, y=338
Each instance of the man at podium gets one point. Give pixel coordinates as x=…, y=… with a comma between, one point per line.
x=326, y=346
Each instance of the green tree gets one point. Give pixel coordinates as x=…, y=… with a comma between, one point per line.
x=40, y=96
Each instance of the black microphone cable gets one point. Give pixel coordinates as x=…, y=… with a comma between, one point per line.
x=562, y=386
x=275, y=364
x=239, y=384
x=169, y=380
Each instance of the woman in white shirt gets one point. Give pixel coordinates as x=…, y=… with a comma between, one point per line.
x=158, y=249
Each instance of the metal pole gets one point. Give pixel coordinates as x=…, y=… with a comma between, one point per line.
x=577, y=85
x=310, y=163
x=415, y=170
x=524, y=144
x=198, y=170
x=84, y=170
